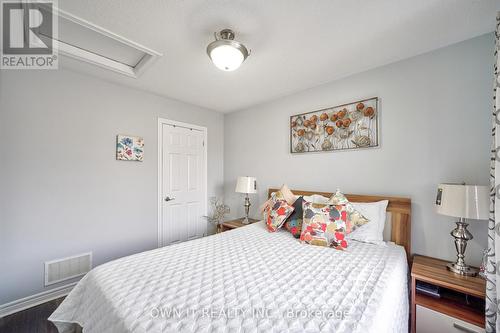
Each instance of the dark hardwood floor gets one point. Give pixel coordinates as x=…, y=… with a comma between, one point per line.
x=32, y=320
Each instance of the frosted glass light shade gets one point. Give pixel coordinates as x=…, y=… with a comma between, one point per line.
x=227, y=57
x=226, y=53
x=246, y=185
x=465, y=201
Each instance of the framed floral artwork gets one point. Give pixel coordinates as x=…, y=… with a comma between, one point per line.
x=342, y=127
x=129, y=148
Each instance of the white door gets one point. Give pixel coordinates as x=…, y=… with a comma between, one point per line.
x=183, y=199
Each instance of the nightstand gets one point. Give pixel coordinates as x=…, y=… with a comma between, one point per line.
x=460, y=307
x=233, y=224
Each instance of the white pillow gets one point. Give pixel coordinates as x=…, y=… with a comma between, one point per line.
x=373, y=231
x=316, y=199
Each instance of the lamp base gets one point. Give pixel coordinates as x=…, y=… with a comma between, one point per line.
x=247, y=209
x=462, y=236
x=462, y=270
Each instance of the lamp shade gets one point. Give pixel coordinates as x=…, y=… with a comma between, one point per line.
x=226, y=57
x=464, y=201
x=246, y=185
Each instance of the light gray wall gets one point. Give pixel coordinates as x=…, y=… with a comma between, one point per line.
x=61, y=190
x=435, y=114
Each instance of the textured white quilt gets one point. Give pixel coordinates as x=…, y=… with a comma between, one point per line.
x=244, y=280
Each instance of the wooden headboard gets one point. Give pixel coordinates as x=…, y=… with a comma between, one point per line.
x=400, y=209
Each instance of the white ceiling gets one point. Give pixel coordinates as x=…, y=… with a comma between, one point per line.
x=296, y=44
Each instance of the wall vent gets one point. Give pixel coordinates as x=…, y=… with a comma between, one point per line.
x=67, y=268
x=82, y=40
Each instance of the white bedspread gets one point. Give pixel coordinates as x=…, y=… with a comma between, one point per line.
x=244, y=280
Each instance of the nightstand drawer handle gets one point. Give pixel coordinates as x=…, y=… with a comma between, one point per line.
x=463, y=328
x=169, y=199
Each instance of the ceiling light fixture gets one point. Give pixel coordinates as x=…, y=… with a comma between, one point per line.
x=226, y=53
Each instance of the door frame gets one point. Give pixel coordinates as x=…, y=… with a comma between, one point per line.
x=161, y=122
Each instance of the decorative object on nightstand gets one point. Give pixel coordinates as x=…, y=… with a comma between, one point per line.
x=233, y=224
x=449, y=302
x=219, y=210
x=464, y=202
x=246, y=185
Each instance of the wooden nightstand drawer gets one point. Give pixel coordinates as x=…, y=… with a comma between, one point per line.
x=430, y=321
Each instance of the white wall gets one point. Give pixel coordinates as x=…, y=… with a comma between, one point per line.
x=435, y=114
x=61, y=190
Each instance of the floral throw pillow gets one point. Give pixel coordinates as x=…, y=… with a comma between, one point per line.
x=276, y=214
x=324, y=226
x=354, y=218
x=294, y=222
x=284, y=194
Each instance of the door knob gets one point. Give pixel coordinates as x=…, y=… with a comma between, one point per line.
x=169, y=199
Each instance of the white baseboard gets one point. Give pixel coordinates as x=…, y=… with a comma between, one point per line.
x=33, y=300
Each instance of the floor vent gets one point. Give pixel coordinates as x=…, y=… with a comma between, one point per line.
x=67, y=268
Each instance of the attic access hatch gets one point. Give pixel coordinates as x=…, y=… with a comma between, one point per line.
x=82, y=40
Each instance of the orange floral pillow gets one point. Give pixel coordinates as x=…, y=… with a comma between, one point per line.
x=324, y=226
x=276, y=214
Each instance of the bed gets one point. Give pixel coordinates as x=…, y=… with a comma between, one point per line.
x=250, y=280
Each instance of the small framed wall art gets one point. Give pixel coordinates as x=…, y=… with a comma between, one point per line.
x=342, y=127
x=129, y=148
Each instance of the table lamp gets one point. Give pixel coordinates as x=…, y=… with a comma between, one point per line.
x=246, y=185
x=464, y=202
